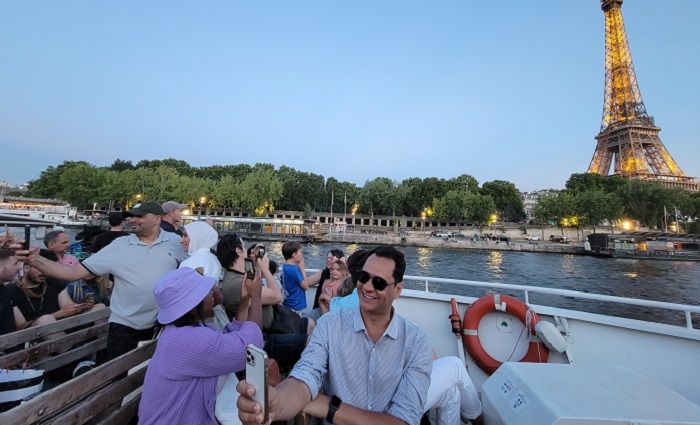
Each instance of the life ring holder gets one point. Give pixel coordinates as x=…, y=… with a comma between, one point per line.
x=537, y=352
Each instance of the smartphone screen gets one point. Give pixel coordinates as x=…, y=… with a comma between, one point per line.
x=249, y=268
x=256, y=375
x=261, y=251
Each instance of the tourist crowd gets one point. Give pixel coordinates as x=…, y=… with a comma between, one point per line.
x=348, y=358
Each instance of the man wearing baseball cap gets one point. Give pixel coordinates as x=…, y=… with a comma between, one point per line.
x=172, y=217
x=136, y=261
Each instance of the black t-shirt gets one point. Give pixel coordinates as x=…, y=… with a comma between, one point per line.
x=32, y=308
x=326, y=274
x=106, y=238
x=168, y=227
x=7, y=317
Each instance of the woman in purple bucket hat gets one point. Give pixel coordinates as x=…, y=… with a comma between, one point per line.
x=181, y=379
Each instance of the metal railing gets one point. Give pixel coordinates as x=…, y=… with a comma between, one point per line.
x=526, y=289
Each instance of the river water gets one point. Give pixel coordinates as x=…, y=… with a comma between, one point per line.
x=670, y=281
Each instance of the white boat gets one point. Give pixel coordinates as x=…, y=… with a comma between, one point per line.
x=58, y=216
x=613, y=370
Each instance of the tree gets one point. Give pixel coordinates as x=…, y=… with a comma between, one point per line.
x=412, y=202
x=260, y=190
x=298, y=188
x=180, y=166
x=453, y=206
x=464, y=182
x=48, y=185
x=379, y=197
x=507, y=199
x=597, y=205
x=552, y=209
x=81, y=185
x=192, y=190
x=118, y=188
x=645, y=201
x=479, y=208
x=227, y=192
x=121, y=165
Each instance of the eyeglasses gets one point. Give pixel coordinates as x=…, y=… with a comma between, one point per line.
x=379, y=283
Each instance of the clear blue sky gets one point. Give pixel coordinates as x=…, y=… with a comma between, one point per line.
x=499, y=89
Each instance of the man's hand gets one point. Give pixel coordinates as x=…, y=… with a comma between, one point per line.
x=249, y=410
x=255, y=286
x=263, y=263
x=72, y=309
x=251, y=288
x=324, y=302
x=26, y=256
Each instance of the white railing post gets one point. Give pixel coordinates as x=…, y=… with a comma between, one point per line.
x=688, y=320
x=527, y=297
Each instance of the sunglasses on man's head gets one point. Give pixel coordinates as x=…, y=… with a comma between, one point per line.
x=379, y=283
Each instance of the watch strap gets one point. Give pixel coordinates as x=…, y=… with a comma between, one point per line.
x=333, y=407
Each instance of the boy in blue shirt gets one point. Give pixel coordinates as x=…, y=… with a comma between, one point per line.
x=294, y=276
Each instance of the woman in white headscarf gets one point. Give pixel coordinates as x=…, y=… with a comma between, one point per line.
x=198, y=239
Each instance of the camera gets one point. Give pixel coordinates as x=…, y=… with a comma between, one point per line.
x=260, y=251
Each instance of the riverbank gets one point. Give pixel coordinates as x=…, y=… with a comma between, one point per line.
x=435, y=242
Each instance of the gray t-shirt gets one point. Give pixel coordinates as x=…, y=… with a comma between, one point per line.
x=231, y=288
x=137, y=268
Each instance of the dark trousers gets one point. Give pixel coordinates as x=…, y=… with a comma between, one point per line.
x=122, y=339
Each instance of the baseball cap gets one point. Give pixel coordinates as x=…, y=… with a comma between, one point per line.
x=171, y=206
x=144, y=208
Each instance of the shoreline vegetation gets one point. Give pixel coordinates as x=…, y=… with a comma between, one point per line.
x=588, y=200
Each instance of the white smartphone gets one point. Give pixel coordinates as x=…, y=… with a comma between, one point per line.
x=256, y=374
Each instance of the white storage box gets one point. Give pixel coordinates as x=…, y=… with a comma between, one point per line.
x=562, y=394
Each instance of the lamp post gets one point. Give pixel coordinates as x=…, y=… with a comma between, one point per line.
x=202, y=200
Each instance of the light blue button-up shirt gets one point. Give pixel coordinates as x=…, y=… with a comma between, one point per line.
x=390, y=376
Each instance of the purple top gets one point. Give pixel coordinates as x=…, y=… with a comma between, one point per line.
x=180, y=383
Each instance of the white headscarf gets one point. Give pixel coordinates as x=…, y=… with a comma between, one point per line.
x=203, y=238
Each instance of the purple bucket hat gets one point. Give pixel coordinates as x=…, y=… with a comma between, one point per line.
x=179, y=291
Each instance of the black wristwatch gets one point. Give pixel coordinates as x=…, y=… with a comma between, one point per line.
x=333, y=407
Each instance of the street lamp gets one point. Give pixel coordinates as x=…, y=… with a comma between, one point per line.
x=202, y=200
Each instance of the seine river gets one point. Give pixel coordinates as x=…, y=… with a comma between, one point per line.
x=669, y=281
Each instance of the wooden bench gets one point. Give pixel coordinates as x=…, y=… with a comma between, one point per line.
x=85, y=338
x=96, y=397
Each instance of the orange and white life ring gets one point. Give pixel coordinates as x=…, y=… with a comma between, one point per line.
x=537, y=352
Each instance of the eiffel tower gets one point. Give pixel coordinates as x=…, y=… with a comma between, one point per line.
x=628, y=136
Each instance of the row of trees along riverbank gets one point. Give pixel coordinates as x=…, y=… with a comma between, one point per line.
x=588, y=199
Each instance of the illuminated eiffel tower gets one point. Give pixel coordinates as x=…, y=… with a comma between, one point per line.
x=628, y=134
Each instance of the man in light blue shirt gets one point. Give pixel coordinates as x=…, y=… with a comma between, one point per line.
x=137, y=261
x=366, y=365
